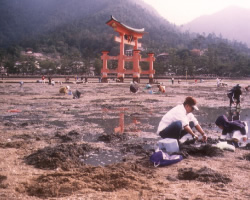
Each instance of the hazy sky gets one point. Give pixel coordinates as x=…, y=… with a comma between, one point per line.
x=183, y=11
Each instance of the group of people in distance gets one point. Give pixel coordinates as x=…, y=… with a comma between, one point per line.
x=134, y=87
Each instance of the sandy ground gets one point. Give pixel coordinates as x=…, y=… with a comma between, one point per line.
x=55, y=147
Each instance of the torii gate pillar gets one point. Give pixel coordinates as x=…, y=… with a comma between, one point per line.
x=105, y=70
x=121, y=70
x=151, y=59
x=136, y=66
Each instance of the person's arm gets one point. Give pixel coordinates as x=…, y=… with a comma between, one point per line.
x=189, y=130
x=204, y=136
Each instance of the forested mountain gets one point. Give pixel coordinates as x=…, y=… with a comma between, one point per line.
x=75, y=31
x=231, y=22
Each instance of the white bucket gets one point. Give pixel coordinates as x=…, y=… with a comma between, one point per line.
x=170, y=144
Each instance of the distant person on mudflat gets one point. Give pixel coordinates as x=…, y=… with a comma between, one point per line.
x=172, y=80
x=21, y=83
x=180, y=120
x=234, y=95
x=49, y=78
x=134, y=87
x=43, y=79
x=218, y=82
x=162, y=88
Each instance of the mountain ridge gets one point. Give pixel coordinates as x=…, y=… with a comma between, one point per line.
x=230, y=22
x=77, y=32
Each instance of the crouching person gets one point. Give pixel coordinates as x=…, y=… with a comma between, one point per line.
x=76, y=94
x=179, y=121
x=64, y=90
x=234, y=131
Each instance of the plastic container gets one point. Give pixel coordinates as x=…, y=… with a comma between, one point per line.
x=170, y=144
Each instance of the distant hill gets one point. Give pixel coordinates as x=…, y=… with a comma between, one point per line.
x=22, y=21
x=231, y=23
x=75, y=31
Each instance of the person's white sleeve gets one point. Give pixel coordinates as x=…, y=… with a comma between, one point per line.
x=192, y=118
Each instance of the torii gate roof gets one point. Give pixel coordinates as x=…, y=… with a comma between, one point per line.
x=122, y=28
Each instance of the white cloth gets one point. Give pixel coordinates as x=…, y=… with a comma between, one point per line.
x=225, y=146
x=236, y=135
x=178, y=113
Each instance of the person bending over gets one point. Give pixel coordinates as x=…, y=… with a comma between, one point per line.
x=234, y=95
x=180, y=120
x=236, y=130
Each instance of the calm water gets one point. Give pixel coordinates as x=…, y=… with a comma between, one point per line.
x=204, y=115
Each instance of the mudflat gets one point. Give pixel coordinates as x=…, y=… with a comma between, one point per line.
x=55, y=147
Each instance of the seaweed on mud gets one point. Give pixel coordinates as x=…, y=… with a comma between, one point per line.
x=2, y=179
x=9, y=124
x=23, y=124
x=23, y=136
x=247, y=147
x=151, y=100
x=203, y=175
x=14, y=144
x=136, y=149
x=109, y=138
x=112, y=178
x=65, y=156
x=209, y=141
x=204, y=150
x=246, y=156
x=69, y=137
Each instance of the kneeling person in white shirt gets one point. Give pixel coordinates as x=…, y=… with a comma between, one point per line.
x=179, y=121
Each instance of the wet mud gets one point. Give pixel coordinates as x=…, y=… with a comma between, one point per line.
x=112, y=178
x=55, y=147
x=203, y=175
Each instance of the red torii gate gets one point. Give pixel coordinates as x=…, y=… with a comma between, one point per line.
x=128, y=36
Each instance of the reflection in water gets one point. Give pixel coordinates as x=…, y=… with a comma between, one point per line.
x=209, y=115
x=120, y=128
x=21, y=89
x=103, y=158
x=234, y=114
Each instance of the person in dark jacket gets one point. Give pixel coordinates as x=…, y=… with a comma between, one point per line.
x=76, y=94
x=234, y=95
x=134, y=87
x=234, y=130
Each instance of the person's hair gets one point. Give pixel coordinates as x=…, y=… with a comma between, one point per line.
x=189, y=101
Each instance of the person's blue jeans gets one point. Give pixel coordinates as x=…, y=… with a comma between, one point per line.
x=174, y=130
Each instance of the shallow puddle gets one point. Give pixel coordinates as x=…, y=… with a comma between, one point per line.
x=103, y=158
x=204, y=115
